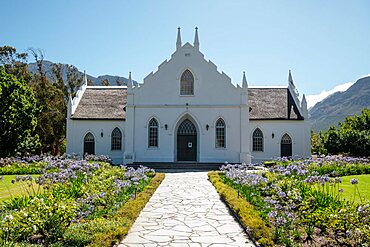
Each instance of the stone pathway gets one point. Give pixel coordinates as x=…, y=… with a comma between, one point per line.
x=186, y=211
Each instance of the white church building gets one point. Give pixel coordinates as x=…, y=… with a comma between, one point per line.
x=188, y=111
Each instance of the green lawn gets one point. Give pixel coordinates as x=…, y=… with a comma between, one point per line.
x=363, y=186
x=8, y=189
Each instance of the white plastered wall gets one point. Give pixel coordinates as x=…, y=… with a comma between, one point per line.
x=298, y=130
x=77, y=129
x=214, y=96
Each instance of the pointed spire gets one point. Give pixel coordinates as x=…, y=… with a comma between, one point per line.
x=178, y=42
x=245, y=83
x=129, y=83
x=196, y=39
x=304, y=99
x=304, y=106
x=85, y=78
x=290, y=78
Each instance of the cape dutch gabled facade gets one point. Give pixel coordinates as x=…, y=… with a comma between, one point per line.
x=187, y=111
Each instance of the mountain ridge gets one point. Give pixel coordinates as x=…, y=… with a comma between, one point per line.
x=337, y=106
x=96, y=81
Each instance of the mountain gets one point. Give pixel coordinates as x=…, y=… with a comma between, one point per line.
x=336, y=107
x=32, y=67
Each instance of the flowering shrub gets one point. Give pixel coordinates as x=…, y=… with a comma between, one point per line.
x=73, y=191
x=302, y=204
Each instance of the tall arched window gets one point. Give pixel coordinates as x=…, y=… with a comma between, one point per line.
x=258, y=140
x=220, y=133
x=89, y=144
x=153, y=133
x=116, y=140
x=187, y=83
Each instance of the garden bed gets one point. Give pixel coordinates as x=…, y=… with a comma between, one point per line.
x=300, y=204
x=81, y=203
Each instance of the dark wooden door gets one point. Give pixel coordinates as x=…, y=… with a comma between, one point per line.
x=89, y=148
x=187, y=141
x=187, y=148
x=89, y=144
x=286, y=150
x=286, y=146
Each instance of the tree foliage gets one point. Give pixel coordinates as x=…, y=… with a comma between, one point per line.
x=14, y=63
x=352, y=136
x=18, y=121
x=53, y=107
x=317, y=143
x=105, y=82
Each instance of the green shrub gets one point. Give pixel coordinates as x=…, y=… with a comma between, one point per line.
x=110, y=229
x=43, y=219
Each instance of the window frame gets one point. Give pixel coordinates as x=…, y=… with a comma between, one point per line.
x=116, y=140
x=220, y=134
x=257, y=141
x=153, y=133
x=187, y=83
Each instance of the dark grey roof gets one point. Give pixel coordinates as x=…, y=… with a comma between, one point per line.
x=109, y=103
x=272, y=103
x=102, y=103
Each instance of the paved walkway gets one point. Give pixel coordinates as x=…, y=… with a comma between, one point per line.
x=186, y=211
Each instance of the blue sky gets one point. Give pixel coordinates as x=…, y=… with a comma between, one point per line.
x=324, y=43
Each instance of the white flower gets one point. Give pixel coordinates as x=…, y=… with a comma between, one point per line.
x=8, y=217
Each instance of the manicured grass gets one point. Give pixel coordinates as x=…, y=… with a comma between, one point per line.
x=363, y=186
x=9, y=189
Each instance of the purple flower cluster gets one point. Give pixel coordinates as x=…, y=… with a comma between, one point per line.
x=338, y=160
x=101, y=158
x=291, y=169
x=242, y=175
x=354, y=181
x=63, y=170
x=23, y=178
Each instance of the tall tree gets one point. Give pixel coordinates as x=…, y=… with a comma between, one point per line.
x=53, y=109
x=118, y=81
x=105, y=82
x=18, y=120
x=74, y=80
x=14, y=63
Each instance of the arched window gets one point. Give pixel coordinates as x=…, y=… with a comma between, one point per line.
x=116, y=140
x=187, y=83
x=89, y=144
x=258, y=140
x=220, y=133
x=286, y=146
x=153, y=133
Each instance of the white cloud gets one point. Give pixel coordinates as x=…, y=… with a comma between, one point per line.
x=315, y=98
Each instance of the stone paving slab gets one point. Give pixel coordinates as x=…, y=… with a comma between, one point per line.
x=185, y=211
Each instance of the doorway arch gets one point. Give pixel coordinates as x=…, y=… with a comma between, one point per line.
x=187, y=141
x=286, y=146
x=89, y=144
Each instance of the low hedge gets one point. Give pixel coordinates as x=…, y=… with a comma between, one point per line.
x=245, y=212
x=110, y=231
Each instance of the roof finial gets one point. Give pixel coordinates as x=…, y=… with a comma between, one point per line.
x=178, y=42
x=245, y=83
x=304, y=106
x=85, y=77
x=196, y=39
x=129, y=83
x=290, y=78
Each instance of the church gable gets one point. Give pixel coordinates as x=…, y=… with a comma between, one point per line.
x=208, y=85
